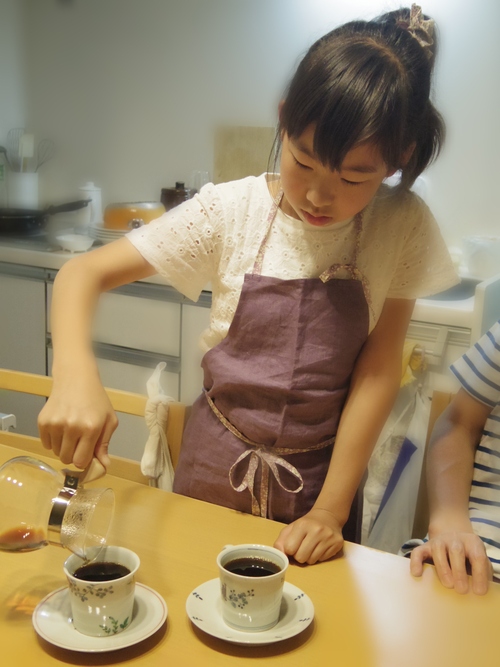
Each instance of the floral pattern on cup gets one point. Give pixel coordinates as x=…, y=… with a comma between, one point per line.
x=239, y=600
x=116, y=626
x=83, y=592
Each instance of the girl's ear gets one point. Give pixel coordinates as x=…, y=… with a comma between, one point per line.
x=404, y=160
x=408, y=153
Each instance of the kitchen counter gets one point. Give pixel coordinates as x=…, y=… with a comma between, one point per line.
x=48, y=259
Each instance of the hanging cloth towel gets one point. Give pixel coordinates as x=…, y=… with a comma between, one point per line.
x=156, y=462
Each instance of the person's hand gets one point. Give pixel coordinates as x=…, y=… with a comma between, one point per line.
x=316, y=536
x=450, y=553
x=78, y=421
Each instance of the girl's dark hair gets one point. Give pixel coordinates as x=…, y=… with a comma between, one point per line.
x=367, y=80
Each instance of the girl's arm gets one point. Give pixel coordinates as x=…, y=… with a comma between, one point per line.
x=374, y=386
x=78, y=420
x=450, y=464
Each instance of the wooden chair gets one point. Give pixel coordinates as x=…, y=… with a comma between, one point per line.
x=122, y=401
x=440, y=400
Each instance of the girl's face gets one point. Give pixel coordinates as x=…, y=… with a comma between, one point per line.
x=319, y=196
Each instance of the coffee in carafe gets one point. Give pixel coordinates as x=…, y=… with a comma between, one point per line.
x=41, y=506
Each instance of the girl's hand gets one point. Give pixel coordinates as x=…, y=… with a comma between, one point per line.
x=316, y=536
x=450, y=553
x=78, y=421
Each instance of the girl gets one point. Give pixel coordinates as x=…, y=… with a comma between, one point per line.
x=314, y=274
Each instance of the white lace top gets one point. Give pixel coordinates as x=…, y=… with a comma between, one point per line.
x=215, y=238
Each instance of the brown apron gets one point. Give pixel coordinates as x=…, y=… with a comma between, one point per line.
x=260, y=437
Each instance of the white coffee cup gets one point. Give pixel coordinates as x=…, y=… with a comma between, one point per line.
x=251, y=603
x=102, y=608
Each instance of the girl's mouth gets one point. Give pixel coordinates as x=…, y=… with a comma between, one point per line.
x=318, y=221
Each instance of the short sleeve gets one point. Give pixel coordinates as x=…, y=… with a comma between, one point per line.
x=425, y=266
x=184, y=244
x=478, y=370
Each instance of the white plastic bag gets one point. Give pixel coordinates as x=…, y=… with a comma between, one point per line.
x=393, y=522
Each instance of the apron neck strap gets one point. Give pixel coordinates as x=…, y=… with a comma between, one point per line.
x=259, y=260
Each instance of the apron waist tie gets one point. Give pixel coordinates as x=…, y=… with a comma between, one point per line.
x=269, y=458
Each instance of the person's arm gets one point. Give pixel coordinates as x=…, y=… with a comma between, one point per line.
x=374, y=386
x=450, y=464
x=78, y=419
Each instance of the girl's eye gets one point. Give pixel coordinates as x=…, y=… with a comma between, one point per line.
x=299, y=164
x=344, y=180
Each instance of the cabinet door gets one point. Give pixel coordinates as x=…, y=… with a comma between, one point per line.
x=22, y=343
x=195, y=319
x=132, y=433
x=136, y=322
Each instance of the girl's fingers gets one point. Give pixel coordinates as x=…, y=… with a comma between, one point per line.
x=481, y=569
x=417, y=558
x=481, y=575
x=293, y=541
x=442, y=564
x=324, y=551
x=457, y=557
x=102, y=445
x=305, y=550
x=51, y=439
x=83, y=451
x=45, y=436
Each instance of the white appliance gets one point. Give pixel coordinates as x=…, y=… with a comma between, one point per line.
x=447, y=324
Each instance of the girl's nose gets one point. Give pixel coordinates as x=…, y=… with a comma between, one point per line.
x=320, y=196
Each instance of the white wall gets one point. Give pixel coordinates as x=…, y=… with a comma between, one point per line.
x=12, y=80
x=131, y=89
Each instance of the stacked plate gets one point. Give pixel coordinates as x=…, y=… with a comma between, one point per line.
x=100, y=233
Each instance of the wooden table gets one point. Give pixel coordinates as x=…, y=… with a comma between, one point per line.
x=370, y=612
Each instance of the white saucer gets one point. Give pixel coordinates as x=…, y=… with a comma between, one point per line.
x=203, y=607
x=52, y=621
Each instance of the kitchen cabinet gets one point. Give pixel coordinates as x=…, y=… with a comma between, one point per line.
x=22, y=337
x=195, y=319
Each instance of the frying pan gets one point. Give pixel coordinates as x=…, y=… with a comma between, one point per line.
x=23, y=222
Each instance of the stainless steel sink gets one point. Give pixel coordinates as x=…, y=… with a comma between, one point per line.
x=463, y=290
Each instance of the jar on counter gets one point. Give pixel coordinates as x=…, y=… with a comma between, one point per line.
x=171, y=197
x=128, y=215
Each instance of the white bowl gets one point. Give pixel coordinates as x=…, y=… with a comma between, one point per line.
x=75, y=242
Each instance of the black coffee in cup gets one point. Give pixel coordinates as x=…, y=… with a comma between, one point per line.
x=252, y=566
x=101, y=571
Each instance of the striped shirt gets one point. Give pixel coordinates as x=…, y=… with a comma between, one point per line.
x=478, y=371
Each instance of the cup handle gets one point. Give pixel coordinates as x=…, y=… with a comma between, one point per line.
x=227, y=546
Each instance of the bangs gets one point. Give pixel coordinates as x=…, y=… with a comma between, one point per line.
x=351, y=97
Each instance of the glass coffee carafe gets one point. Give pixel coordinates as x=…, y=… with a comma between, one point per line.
x=41, y=506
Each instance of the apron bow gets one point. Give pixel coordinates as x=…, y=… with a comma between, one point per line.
x=269, y=461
